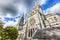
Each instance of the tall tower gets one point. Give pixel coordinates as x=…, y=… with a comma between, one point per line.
x=35, y=21
x=36, y=17
x=20, y=23
x=41, y=15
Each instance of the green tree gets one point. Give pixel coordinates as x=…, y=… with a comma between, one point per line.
x=11, y=32
x=3, y=35
x=1, y=24
x=1, y=30
x=1, y=27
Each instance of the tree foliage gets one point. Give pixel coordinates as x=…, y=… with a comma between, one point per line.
x=12, y=32
x=1, y=27
x=3, y=35
x=8, y=33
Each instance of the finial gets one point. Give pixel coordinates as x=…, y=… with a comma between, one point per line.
x=36, y=3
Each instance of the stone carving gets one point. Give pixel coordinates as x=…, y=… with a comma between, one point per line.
x=32, y=21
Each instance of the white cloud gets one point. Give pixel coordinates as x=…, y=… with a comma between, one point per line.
x=21, y=7
x=5, y=2
x=53, y=9
x=8, y=15
x=10, y=23
x=41, y=2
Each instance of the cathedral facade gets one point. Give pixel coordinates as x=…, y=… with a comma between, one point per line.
x=36, y=20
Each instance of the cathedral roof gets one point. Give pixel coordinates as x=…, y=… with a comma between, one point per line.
x=52, y=14
x=36, y=8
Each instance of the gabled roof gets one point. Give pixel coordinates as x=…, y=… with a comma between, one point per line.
x=52, y=14
x=36, y=8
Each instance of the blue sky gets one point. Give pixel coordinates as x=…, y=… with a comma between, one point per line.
x=12, y=10
x=49, y=4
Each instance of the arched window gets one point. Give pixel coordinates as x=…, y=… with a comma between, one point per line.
x=30, y=32
x=33, y=30
x=55, y=18
x=50, y=20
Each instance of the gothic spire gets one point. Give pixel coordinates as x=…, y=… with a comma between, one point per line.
x=22, y=20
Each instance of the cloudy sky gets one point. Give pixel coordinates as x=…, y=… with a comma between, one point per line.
x=12, y=10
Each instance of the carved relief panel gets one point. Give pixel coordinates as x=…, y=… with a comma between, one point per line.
x=32, y=21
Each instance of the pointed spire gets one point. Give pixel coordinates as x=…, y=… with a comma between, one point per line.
x=37, y=5
x=21, y=22
x=22, y=19
x=38, y=8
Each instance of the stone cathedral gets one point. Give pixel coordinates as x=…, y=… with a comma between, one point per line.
x=37, y=20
